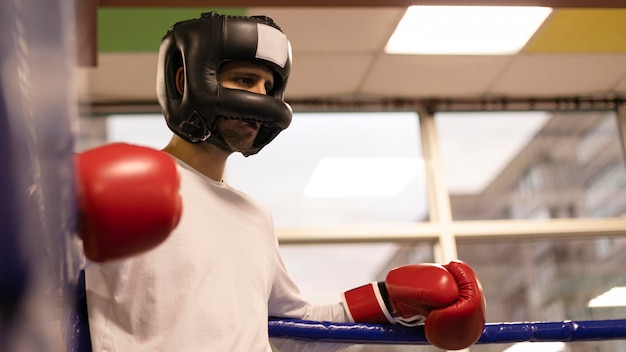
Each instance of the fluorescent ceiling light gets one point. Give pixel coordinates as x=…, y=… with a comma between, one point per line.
x=615, y=297
x=466, y=30
x=361, y=177
x=537, y=346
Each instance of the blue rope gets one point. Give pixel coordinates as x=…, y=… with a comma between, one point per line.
x=564, y=331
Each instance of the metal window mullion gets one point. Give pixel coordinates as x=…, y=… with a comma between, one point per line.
x=469, y=230
x=620, y=110
x=438, y=196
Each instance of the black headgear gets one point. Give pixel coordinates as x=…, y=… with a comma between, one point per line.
x=200, y=46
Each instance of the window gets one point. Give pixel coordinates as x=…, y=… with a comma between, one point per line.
x=513, y=164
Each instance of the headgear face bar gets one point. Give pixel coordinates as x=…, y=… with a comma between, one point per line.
x=200, y=47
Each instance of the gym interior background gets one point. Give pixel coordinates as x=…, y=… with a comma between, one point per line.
x=513, y=163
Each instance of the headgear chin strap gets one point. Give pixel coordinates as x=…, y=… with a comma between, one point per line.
x=200, y=46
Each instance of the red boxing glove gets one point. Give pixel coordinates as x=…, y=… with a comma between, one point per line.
x=448, y=299
x=127, y=198
x=407, y=296
x=461, y=324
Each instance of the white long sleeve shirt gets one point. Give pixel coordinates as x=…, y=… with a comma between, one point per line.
x=209, y=287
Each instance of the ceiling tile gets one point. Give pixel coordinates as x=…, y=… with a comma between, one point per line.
x=621, y=86
x=433, y=76
x=125, y=77
x=324, y=30
x=581, y=31
x=561, y=74
x=315, y=75
x=140, y=29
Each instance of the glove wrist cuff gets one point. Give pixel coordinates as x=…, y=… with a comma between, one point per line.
x=366, y=304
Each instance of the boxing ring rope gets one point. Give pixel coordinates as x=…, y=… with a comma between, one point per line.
x=494, y=333
x=359, y=333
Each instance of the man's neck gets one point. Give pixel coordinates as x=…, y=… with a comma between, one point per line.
x=206, y=158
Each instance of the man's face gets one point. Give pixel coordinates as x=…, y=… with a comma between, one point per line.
x=240, y=135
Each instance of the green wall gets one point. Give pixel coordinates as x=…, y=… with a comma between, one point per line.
x=141, y=29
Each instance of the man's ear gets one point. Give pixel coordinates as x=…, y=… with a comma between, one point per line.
x=180, y=80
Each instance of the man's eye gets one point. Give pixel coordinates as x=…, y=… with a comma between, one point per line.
x=245, y=81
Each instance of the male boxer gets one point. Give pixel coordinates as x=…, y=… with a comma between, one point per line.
x=214, y=281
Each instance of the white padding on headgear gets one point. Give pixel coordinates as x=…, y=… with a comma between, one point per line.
x=272, y=45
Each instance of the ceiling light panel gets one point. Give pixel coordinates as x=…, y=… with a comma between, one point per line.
x=465, y=30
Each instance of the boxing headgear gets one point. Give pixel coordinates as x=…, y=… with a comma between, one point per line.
x=200, y=46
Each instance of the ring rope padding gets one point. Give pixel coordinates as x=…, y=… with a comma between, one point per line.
x=357, y=333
